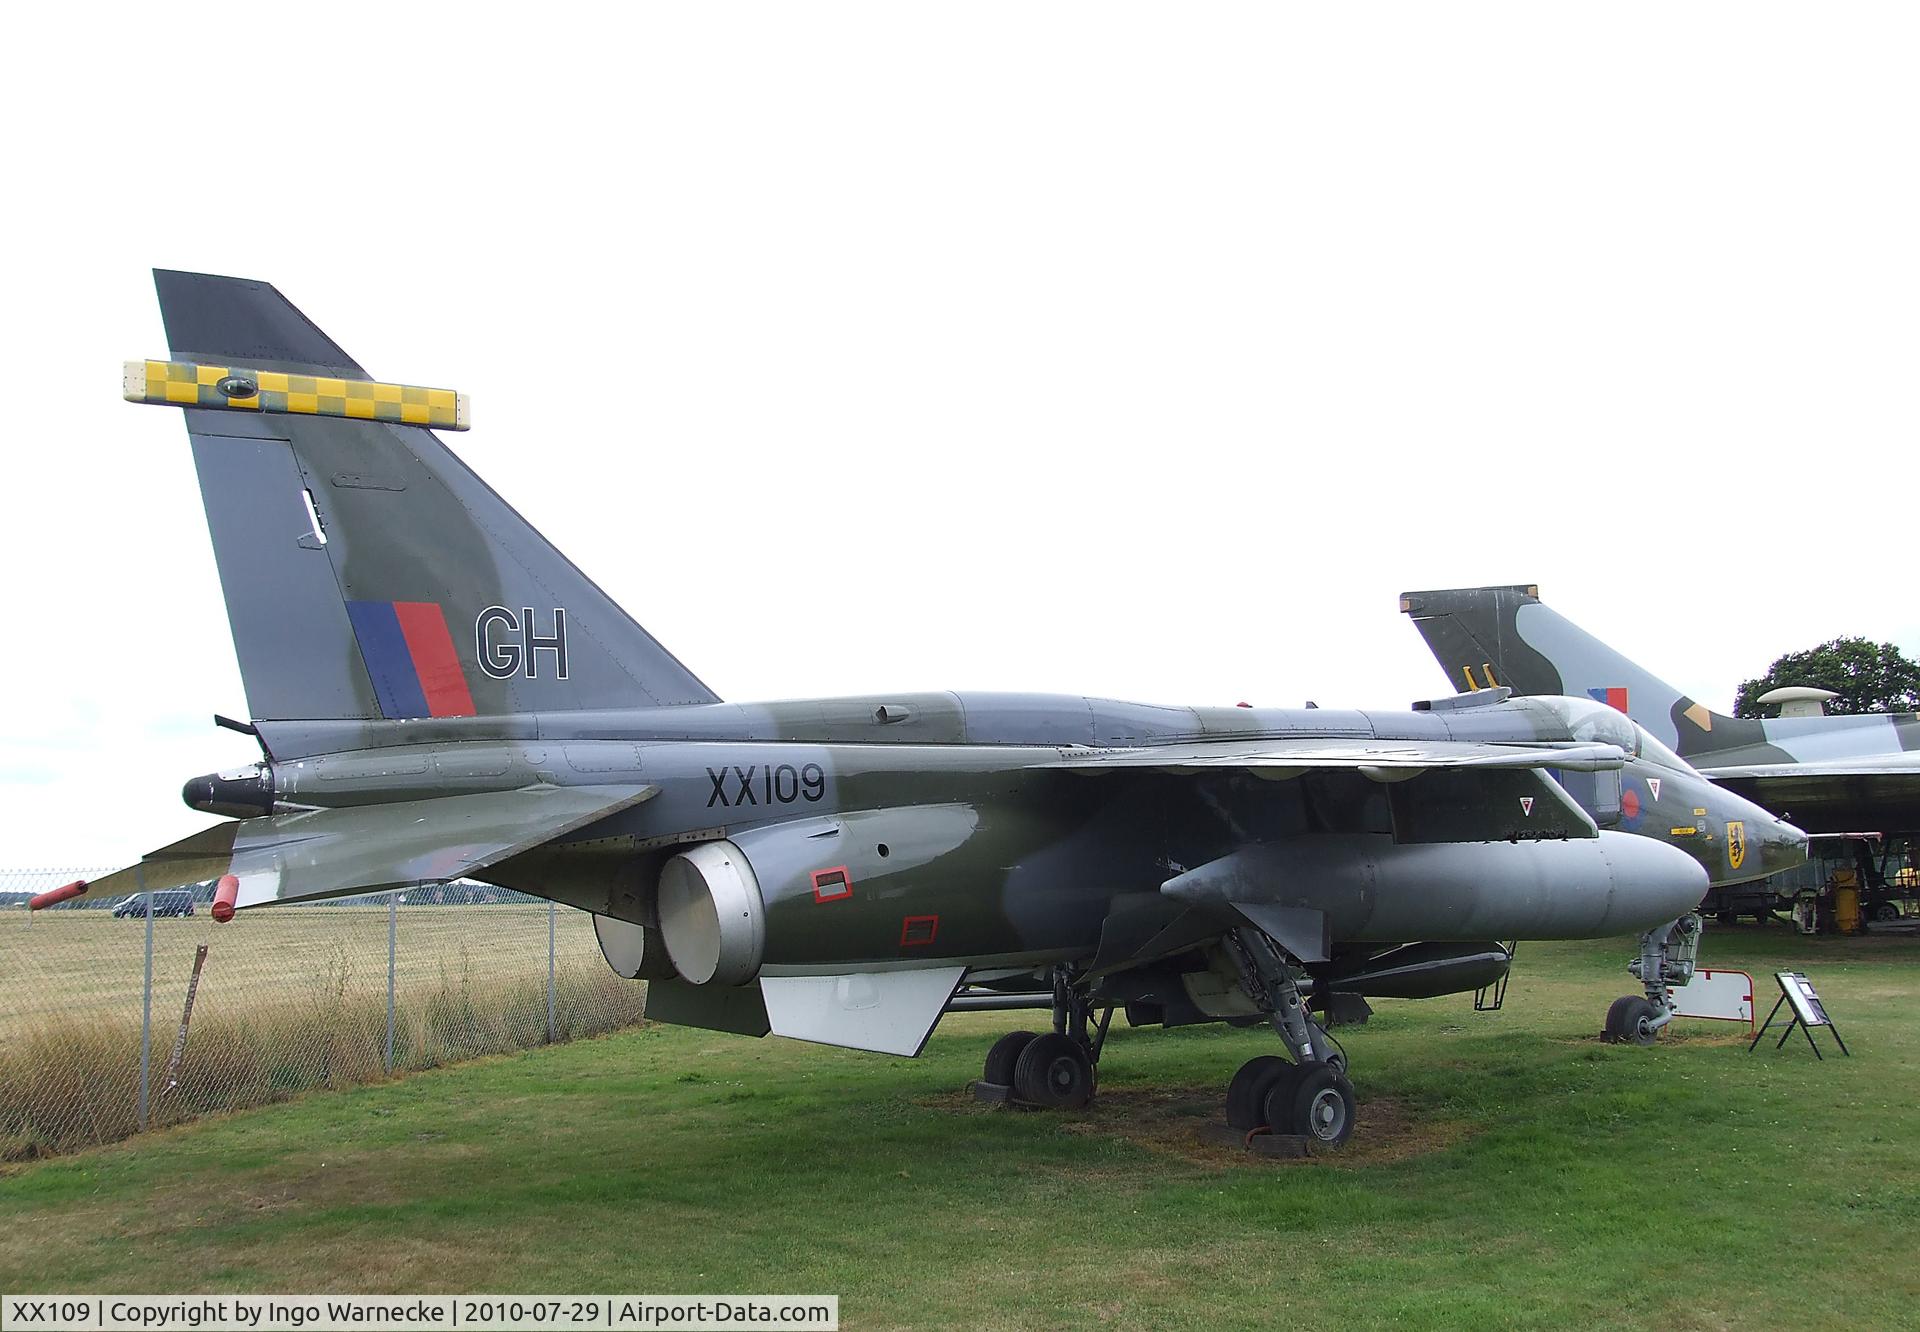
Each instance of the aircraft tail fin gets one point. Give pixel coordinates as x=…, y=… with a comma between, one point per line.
x=1484, y=637
x=370, y=574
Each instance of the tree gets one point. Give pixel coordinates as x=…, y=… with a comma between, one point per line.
x=1868, y=677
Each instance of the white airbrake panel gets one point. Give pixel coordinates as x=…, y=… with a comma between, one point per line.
x=889, y=1012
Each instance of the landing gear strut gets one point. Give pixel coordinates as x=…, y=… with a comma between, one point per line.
x=1309, y=1097
x=1666, y=959
x=1058, y=1069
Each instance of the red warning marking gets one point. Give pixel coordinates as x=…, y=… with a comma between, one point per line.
x=918, y=931
x=831, y=885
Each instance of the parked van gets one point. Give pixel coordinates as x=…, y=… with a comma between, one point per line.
x=170, y=902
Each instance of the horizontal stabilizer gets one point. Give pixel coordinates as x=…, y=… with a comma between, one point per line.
x=338, y=852
x=890, y=1012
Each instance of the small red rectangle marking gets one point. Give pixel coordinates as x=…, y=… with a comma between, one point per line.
x=424, y=625
x=832, y=885
x=918, y=931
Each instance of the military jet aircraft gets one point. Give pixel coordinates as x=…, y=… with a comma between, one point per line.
x=437, y=692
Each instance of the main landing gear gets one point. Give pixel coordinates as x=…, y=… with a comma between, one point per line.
x=1666, y=959
x=1055, y=1070
x=1308, y=1097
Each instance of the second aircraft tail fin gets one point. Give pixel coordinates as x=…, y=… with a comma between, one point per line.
x=1484, y=637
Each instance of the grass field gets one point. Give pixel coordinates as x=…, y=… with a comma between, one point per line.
x=289, y=1000
x=1508, y=1171
x=87, y=964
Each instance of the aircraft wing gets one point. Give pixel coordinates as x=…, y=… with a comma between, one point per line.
x=338, y=852
x=1438, y=790
x=1904, y=766
x=1833, y=795
x=1390, y=759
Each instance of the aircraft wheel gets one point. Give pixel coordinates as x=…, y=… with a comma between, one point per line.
x=1247, y=1093
x=1003, y=1056
x=1627, y=1021
x=1054, y=1071
x=1318, y=1105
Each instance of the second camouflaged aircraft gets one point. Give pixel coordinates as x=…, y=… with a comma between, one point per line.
x=438, y=693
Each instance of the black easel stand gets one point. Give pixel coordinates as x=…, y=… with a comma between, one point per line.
x=1789, y=1031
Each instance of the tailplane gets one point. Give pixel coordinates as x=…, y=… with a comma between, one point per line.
x=370, y=574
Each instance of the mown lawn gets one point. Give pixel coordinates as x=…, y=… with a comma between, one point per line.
x=1508, y=1171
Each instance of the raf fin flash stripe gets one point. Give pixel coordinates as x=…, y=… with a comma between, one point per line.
x=410, y=658
x=187, y=384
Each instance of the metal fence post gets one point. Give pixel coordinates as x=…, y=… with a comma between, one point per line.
x=393, y=939
x=553, y=915
x=146, y=999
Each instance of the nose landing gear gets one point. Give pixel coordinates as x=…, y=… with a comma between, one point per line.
x=1666, y=960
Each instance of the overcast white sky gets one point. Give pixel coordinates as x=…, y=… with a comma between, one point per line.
x=1145, y=352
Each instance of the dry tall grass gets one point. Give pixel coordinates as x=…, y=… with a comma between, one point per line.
x=72, y=1081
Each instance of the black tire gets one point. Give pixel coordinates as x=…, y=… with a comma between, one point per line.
x=1317, y=1105
x=1054, y=1071
x=1886, y=911
x=1627, y=1021
x=1247, y=1093
x=1003, y=1056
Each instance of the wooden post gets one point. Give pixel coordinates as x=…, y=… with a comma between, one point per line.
x=186, y=1016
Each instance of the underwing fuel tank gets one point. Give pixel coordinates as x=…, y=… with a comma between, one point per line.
x=1374, y=889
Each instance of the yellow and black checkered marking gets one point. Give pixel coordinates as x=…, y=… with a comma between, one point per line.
x=186, y=384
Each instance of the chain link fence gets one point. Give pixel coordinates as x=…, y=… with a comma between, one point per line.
x=113, y=1021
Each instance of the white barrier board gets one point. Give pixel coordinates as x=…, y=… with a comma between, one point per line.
x=1712, y=993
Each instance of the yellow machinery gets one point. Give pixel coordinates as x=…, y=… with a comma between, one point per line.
x=1846, y=901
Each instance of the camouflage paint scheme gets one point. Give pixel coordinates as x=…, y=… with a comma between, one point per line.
x=1827, y=774
x=439, y=693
